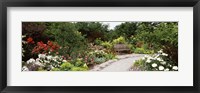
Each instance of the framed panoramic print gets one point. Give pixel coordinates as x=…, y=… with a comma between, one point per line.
x=99, y=46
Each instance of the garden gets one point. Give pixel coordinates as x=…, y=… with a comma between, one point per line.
x=85, y=46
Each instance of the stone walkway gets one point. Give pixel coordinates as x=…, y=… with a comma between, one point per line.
x=123, y=63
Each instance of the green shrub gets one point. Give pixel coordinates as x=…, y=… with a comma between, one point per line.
x=78, y=69
x=40, y=69
x=67, y=36
x=162, y=35
x=98, y=41
x=107, y=45
x=66, y=66
x=143, y=51
x=109, y=56
x=100, y=60
x=119, y=40
x=98, y=53
x=139, y=64
x=55, y=69
x=157, y=62
x=79, y=62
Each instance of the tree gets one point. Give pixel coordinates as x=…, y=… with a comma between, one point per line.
x=92, y=30
x=67, y=36
x=126, y=29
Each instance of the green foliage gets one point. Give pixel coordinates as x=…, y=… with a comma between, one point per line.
x=100, y=60
x=92, y=30
x=40, y=69
x=143, y=51
x=126, y=29
x=98, y=41
x=79, y=62
x=110, y=56
x=139, y=64
x=157, y=62
x=119, y=40
x=107, y=45
x=98, y=53
x=55, y=69
x=78, y=69
x=100, y=56
x=66, y=66
x=67, y=35
x=158, y=35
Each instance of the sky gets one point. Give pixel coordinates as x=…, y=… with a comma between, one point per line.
x=112, y=24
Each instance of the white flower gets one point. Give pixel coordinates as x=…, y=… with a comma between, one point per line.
x=54, y=59
x=31, y=61
x=41, y=56
x=163, y=62
x=49, y=57
x=167, y=69
x=37, y=60
x=146, y=56
x=24, y=68
x=159, y=59
x=148, y=61
x=164, y=54
x=39, y=64
x=160, y=51
x=150, y=57
x=175, y=67
x=64, y=60
x=154, y=65
x=161, y=68
x=45, y=61
x=143, y=58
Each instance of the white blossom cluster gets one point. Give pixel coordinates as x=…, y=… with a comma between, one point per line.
x=98, y=53
x=156, y=62
x=44, y=60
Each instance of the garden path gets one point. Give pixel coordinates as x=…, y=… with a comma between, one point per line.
x=123, y=63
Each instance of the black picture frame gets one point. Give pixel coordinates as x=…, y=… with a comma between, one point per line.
x=98, y=3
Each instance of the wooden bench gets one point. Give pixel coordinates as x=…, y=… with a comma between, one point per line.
x=119, y=48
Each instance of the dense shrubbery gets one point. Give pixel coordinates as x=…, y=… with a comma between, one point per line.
x=159, y=36
x=156, y=62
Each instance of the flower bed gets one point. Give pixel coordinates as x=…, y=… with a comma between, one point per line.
x=156, y=62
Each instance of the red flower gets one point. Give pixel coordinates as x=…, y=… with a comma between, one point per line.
x=30, y=40
x=50, y=43
x=42, y=47
x=46, y=48
x=40, y=43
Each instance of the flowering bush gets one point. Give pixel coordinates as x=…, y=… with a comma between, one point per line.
x=45, y=48
x=99, y=56
x=157, y=62
x=98, y=53
x=44, y=61
x=53, y=63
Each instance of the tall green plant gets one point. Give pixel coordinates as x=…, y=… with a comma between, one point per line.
x=67, y=35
